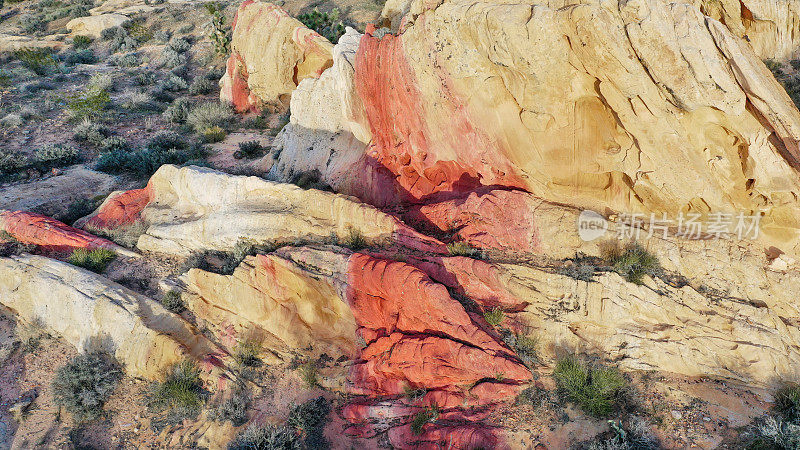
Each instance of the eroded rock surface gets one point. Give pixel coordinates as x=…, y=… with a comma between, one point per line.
x=87, y=309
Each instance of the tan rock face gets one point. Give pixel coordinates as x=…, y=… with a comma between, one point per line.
x=195, y=209
x=271, y=53
x=636, y=106
x=87, y=309
x=93, y=26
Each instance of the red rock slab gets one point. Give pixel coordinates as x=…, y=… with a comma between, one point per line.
x=461, y=436
x=120, y=209
x=36, y=229
x=236, y=88
x=394, y=362
x=391, y=296
x=487, y=218
x=428, y=151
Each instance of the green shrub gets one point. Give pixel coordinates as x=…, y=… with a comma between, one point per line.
x=83, y=385
x=114, y=143
x=211, y=114
x=88, y=131
x=247, y=352
x=787, y=403
x=138, y=31
x=249, y=149
x=266, y=437
x=145, y=162
x=82, y=56
x=55, y=155
x=495, y=316
x=32, y=23
x=308, y=373
x=597, y=390
x=120, y=40
x=81, y=41
x=180, y=395
x=354, y=240
x=130, y=59
x=179, y=45
x=462, y=248
x=38, y=60
x=326, y=24
x=89, y=104
x=220, y=33
x=178, y=111
x=202, y=86
x=308, y=420
x=11, y=121
x=775, y=434
x=213, y=134
x=423, y=417
x=95, y=260
x=234, y=406
x=174, y=83
x=632, y=261
x=11, y=162
x=173, y=301
x=171, y=59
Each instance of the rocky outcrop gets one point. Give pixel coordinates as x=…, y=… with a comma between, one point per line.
x=93, y=26
x=119, y=209
x=771, y=28
x=193, y=209
x=36, y=229
x=271, y=52
x=636, y=106
x=87, y=309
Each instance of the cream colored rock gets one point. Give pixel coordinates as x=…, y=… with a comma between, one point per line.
x=124, y=7
x=271, y=53
x=277, y=303
x=195, y=209
x=93, y=26
x=326, y=131
x=10, y=43
x=87, y=309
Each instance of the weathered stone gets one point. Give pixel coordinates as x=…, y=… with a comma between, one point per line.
x=93, y=26
x=86, y=309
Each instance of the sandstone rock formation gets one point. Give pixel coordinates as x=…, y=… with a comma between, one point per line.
x=87, y=309
x=93, y=26
x=119, y=209
x=36, y=229
x=195, y=209
x=271, y=53
x=593, y=109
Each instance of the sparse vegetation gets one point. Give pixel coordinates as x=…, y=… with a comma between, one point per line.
x=249, y=149
x=266, y=437
x=89, y=104
x=234, y=406
x=597, y=390
x=420, y=419
x=354, y=239
x=213, y=134
x=80, y=41
x=326, y=24
x=462, y=248
x=787, y=403
x=524, y=345
x=308, y=420
x=162, y=149
x=247, y=352
x=53, y=155
x=38, y=60
x=631, y=261
x=95, y=260
x=83, y=385
x=211, y=114
x=308, y=373
x=635, y=436
x=775, y=434
x=494, y=316
x=173, y=302
x=180, y=395
x=77, y=209
x=220, y=33
x=178, y=111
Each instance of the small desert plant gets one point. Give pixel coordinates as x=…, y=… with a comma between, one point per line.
x=82, y=56
x=11, y=121
x=101, y=82
x=95, y=260
x=54, y=155
x=414, y=395
x=247, y=352
x=179, y=45
x=173, y=302
x=249, y=149
x=211, y=114
x=180, y=394
x=174, y=83
x=597, y=390
x=84, y=384
x=495, y=316
x=145, y=162
x=220, y=33
x=234, y=406
x=88, y=131
x=113, y=143
x=308, y=420
x=139, y=101
x=120, y=40
x=308, y=373
x=632, y=261
x=129, y=59
x=524, y=344
x=787, y=403
x=31, y=23
x=81, y=41
x=423, y=417
x=636, y=436
x=580, y=268
x=326, y=24
x=89, y=104
x=202, y=86
x=213, y=134
x=11, y=162
x=266, y=437
x=775, y=434
x=138, y=31
x=162, y=35
x=354, y=239
x=178, y=111
x=124, y=235
x=462, y=248
x=38, y=60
